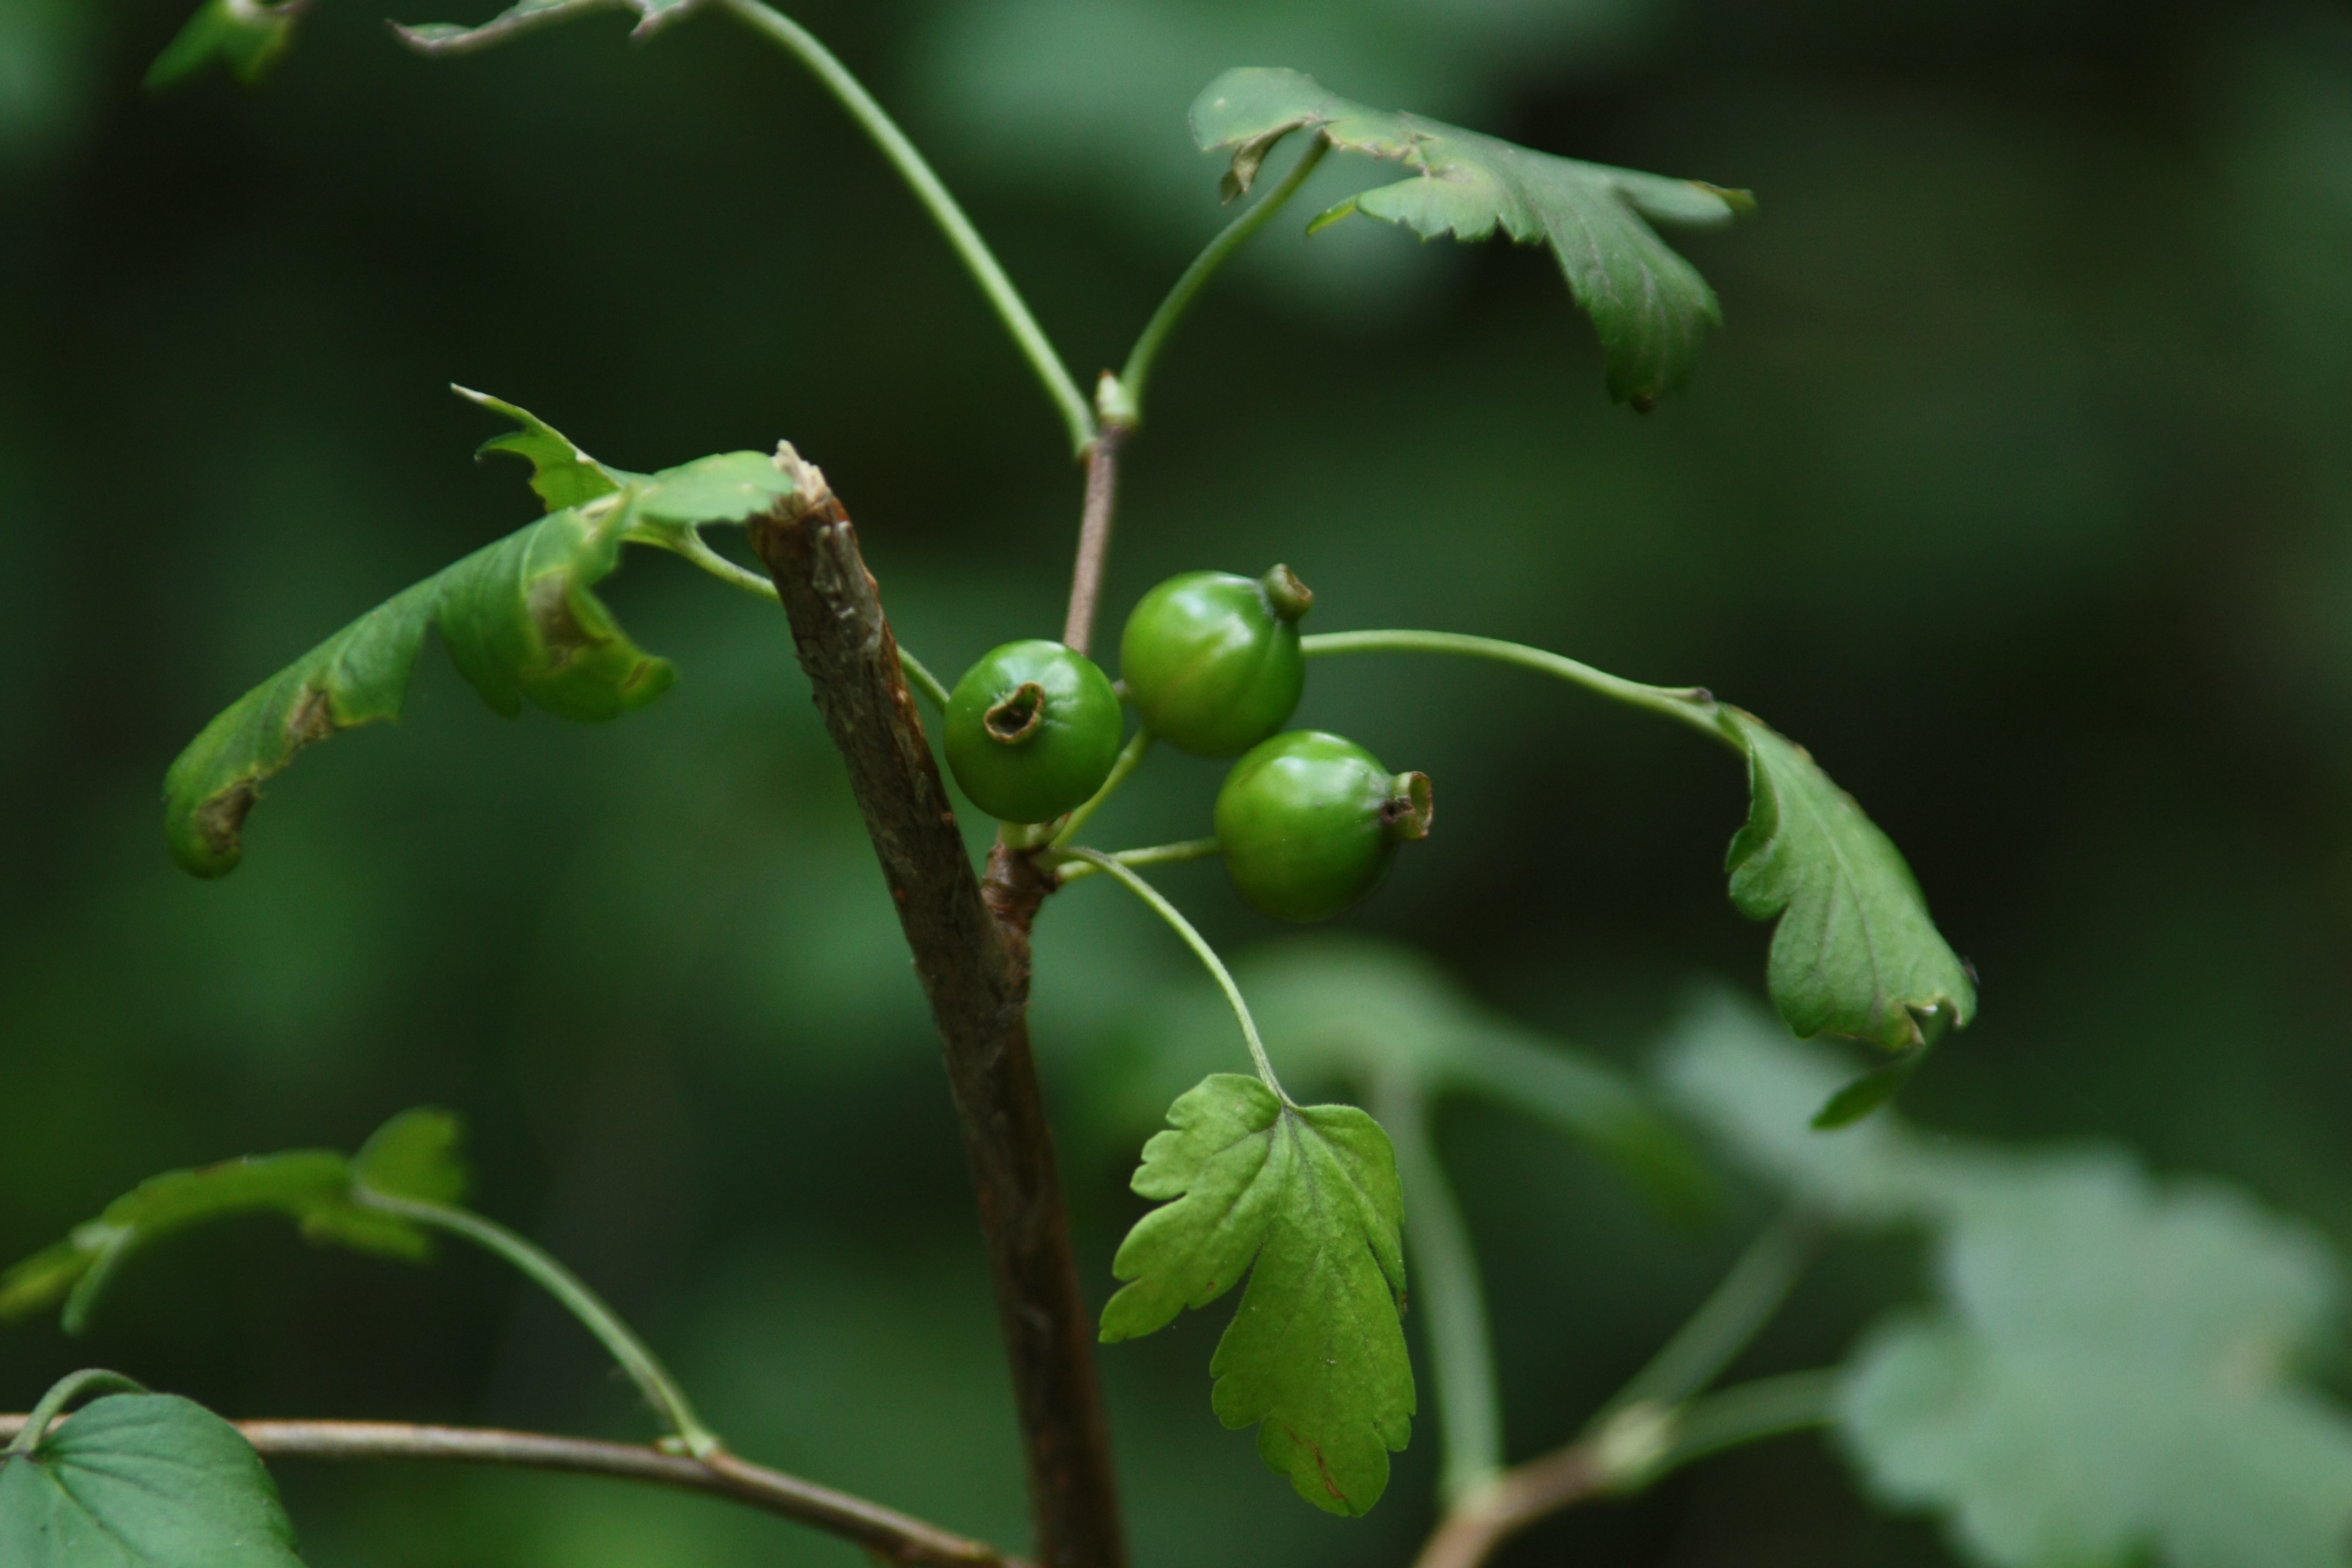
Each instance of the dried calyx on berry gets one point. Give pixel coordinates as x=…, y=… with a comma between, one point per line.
x=1032, y=730
x=1309, y=822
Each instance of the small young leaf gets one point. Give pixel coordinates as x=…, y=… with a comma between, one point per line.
x=518, y=621
x=1855, y=951
x=141, y=1480
x=412, y=1156
x=560, y=473
x=245, y=36
x=1649, y=305
x=1305, y=1201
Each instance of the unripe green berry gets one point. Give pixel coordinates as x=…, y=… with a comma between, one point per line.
x=1212, y=660
x=1032, y=730
x=1309, y=822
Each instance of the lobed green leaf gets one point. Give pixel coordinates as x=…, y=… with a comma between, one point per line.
x=562, y=475
x=1856, y=952
x=141, y=1480
x=518, y=616
x=1304, y=1201
x=1344, y=1010
x=1650, y=307
x=413, y=1155
x=2109, y=1372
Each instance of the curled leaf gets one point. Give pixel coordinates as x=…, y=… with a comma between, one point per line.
x=412, y=1156
x=1856, y=952
x=1650, y=306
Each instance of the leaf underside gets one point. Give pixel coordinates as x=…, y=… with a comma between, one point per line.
x=142, y=1480
x=1304, y=1201
x=1650, y=306
x=413, y=1155
x=518, y=616
x=2109, y=1373
x=1855, y=951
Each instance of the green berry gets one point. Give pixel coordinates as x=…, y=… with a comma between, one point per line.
x=1032, y=730
x=1309, y=822
x=1212, y=661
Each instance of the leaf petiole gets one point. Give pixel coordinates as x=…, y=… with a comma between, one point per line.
x=1127, y=400
x=1445, y=1264
x=1155, y=854
x=1129, y=757
x=67, y=1389
x=968, y=246
x=645, y=1369
x=1693, y=705
x=1729, y=1318
x=1200, y=948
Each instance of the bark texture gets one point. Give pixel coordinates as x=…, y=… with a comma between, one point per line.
x=971, y=954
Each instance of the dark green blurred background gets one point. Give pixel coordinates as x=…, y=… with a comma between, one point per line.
x=2020, y=488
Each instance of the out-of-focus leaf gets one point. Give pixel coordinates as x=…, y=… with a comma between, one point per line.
x=1855, y=951
x=141, y=1480
x=413, y=1155
x=520, y=621
x=1345, y=1010
x=1304, y=1201
x=245, y=36
x=1650, y=306
x=2108, y=1375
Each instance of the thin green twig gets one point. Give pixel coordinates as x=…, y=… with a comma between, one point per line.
x=1693, y=705
x=978, y=259
x=1446, y=1287
x=644, y=1368
x=1129, y=756
x=1750, y=1413
x=1066, y=871
x=1730, y=1317
x=1236, y=234
x=1200, y=948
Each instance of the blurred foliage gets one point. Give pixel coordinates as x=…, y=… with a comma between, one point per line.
x=2015, y=486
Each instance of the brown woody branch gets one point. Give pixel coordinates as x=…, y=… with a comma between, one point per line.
x=889, y=1535
x=1094, y=536
x=1520, y=1496
x=971, y=954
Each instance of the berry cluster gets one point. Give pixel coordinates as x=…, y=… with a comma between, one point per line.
x=1306, y=822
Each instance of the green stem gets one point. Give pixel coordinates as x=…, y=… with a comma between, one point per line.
x=64, y=1392
x=1693, y=705
x=1156, y=855
x=1446, y=1286
x=645, y=1369
x=1236, y=234
x=1200, y=948
x=688, y=544
x=1749, y=1413
x=1129, y=756
x=1729, y=1318
x=912, y=168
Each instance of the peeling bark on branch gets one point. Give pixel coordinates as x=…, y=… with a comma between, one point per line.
x=971, y=954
